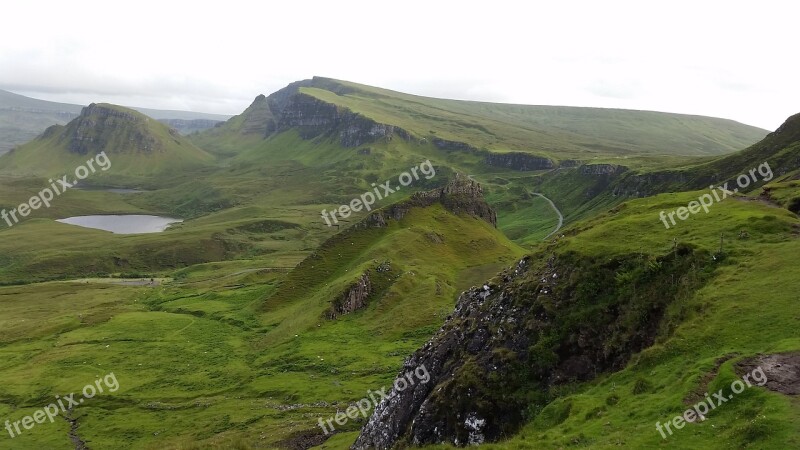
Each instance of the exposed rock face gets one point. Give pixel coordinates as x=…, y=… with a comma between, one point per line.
x=460, y=196
x=513, y=160
x=532, y=327
x=352, y=299
x=444, y=144
x=602, y=169
x=642, y=185
x=567, y=163
x=258, y=118
x=98, y=125
x=519, y=161
x=313, y=117
x=290, y=108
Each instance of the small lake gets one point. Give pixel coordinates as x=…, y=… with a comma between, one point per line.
x=123, y=224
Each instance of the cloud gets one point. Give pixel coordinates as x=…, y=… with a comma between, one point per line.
x=688, y=57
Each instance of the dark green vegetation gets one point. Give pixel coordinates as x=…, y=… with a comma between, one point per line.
x=23, y=118
x=234, y=348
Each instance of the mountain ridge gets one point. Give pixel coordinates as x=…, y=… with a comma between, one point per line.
x=23, y=118
x=477, y=124
x=135, y=142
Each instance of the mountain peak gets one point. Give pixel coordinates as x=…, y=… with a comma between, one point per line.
x=106, y=127
x=790, y=128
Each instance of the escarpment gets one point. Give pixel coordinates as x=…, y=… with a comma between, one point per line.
x=290, y=108
x=460, y=196
x=543, y=322
x=99, y=125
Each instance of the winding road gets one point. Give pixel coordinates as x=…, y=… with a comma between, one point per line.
x=560, y=216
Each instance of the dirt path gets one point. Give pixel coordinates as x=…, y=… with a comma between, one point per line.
x=560, y=216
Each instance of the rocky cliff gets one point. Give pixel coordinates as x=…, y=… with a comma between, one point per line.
x=353, y=298
x=313, y=117
x=460, y=196
x=519, y=161
x=546, y=321
x=289, y=108
x=103, y=127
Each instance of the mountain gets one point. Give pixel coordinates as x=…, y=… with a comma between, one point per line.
x=23, y=118
x=135, y=144
x=555, y=134
x=343, y=127
x=258, y=323
x=620, y=324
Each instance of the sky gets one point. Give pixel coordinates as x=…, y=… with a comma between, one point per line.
x=728, y=59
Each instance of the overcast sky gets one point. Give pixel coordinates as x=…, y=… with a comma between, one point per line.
x=728, y=59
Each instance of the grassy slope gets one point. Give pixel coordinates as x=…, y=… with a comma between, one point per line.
x=48, y=155
x=739, y=312
x=23, y=118
x=205, y=361
x=558, y=132
x=283, y=179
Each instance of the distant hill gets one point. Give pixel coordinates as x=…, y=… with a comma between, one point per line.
x=556, y=133
x=135, y=143
x=23, y=118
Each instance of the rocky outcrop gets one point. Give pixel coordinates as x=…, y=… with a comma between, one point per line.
x=352, y=299
x=314, y=117
x=289, y=108
x=258, y=118
x=642, y=185
x=98, y=126
x=453, y=146
x=460, y=196
x=534, y=326
x=519, y=161
x=602, y=169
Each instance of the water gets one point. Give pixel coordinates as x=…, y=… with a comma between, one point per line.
x=124, y=224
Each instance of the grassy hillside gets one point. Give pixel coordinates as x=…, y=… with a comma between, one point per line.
x=734, y=314
x=24, y=118
x=233, y=346
x=245, y=362
x=726, y=318
x=557, y=132
x=135, y=144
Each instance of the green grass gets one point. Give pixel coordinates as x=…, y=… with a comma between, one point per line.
x=219, y=356
x=136, y=146
x=554, y=131
x=234, y=350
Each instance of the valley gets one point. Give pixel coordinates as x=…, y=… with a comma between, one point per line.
x=531, y=275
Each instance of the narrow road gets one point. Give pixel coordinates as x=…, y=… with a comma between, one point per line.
x=560, y=216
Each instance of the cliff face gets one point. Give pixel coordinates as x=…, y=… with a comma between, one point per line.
x=313, y=117
x=544, y=322
x=100, y=125
x=352, y=299
x=460, y=196
x=290, y=108
x=519, y=161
